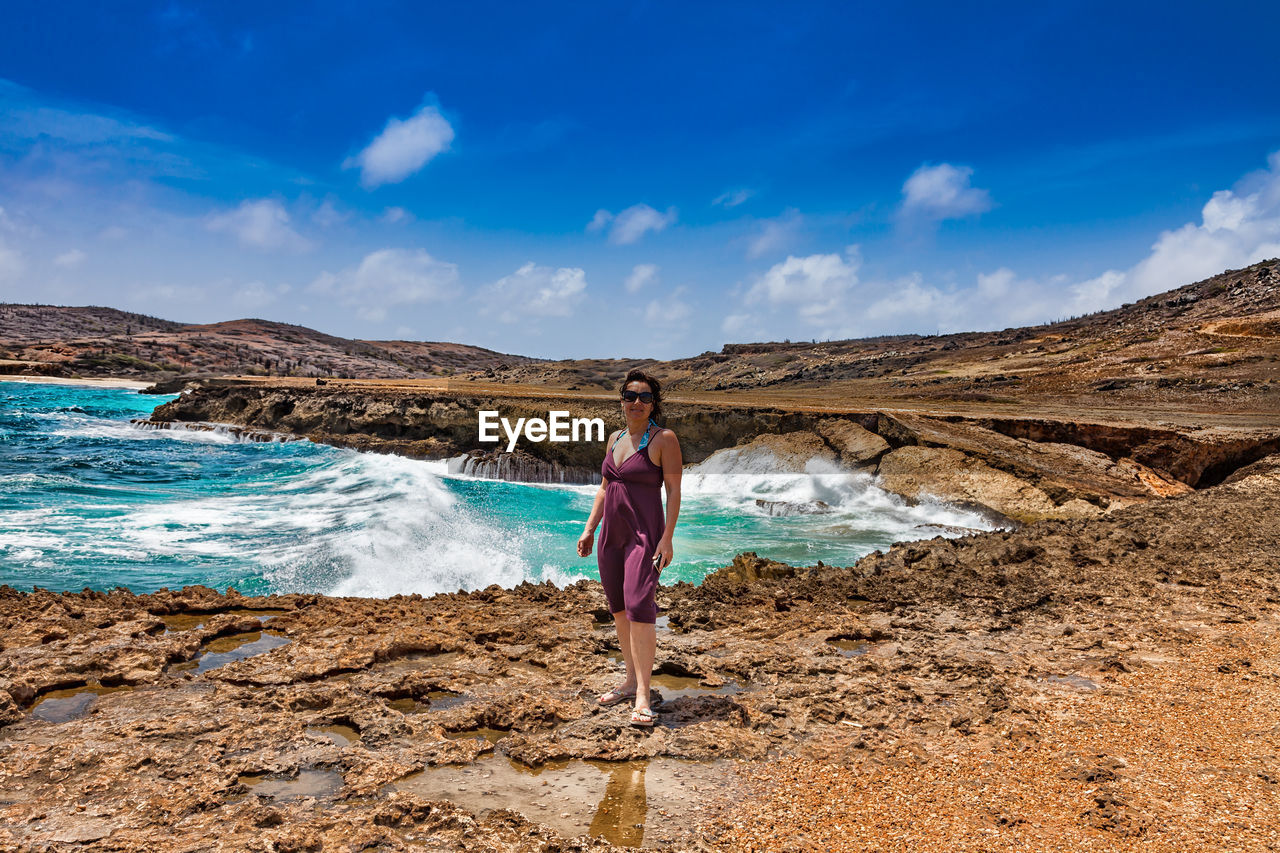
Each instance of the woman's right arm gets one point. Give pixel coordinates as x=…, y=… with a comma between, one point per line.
x=588, y=537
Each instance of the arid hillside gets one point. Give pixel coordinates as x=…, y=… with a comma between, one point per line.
x=1212, y=345
x=50, y=340
x=1212, y=342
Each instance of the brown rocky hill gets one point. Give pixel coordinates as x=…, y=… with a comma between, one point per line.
x=29, y=324
x=1216, y=340
x=1211, y=344
x=44, y=339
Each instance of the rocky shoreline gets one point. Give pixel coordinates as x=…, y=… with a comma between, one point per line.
x=1025, y=468
x=195, y=720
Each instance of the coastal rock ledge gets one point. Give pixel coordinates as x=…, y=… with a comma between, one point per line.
x=998, y=691
x=1022, y=469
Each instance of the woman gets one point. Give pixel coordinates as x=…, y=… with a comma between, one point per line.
x=635, y=542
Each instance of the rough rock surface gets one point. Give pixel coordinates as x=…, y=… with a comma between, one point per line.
x=952, y=476
x=855, y=445
x=1060, y=468
x=789, y=453
x=902, y=661
x=1054, y=465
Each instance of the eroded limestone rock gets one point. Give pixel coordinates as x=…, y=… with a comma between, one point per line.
x=902, y=657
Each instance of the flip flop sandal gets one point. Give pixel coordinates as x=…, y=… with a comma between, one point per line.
x=614, y=696
x=643, y=717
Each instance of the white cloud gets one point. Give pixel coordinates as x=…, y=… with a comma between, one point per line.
x=1097, y=292
x=390, y=277
x=12, y=264
x=261, y=224
x=742, y=326
x=70, y=259
x=906, y=303
x=396, y=215
x=403, y=147
x=631, y=224
x=775, y=234
x=641, y=275
x=537, y=291
x=943, y=192
x=1238, y=227
x=327, y=215
x=599, y=221
x=733, y=198
x=28, y=120
x=256, y=295
x=664, y=314
x=19, y=227
x=816, y=286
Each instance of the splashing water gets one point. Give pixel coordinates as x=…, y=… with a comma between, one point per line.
x=88, y=499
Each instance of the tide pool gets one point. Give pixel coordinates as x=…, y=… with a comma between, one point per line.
x=88, y=499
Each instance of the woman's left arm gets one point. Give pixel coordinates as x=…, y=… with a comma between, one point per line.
x=672, y=463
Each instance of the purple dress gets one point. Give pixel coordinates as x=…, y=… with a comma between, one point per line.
x=633, y=526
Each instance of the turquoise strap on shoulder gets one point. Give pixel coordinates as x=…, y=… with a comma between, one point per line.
x=644, y=439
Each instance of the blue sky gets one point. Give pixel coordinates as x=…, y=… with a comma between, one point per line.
x=639, y=179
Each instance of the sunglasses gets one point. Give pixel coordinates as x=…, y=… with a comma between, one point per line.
x=643, y=396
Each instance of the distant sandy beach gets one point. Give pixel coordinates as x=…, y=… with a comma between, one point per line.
x=92, y=383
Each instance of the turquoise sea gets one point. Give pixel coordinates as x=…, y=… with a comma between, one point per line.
x=88, y=499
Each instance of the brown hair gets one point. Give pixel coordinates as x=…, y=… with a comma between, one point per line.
x=636, y=375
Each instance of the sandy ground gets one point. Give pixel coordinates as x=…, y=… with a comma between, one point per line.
x=1172, y=756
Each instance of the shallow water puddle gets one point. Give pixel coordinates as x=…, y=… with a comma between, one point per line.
x=234, y=647
x=308, y=783
x=336, y=732
x=436, y=700
x=850, y=648
x=676, y=686
x=408, y=705
x=188, y=621
x=183, y=621
x=60, y=706
x=629, y=803
x=491, y=735
x=443, y=700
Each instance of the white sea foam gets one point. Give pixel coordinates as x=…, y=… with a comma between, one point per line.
x=736, y=481
x=319, y=519
x=90, y=428
x=360, y=524
x=74, y=424
x=415, y=536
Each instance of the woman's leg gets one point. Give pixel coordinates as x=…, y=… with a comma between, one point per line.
x=640, y=589
x=644, y=646
x=623, y=625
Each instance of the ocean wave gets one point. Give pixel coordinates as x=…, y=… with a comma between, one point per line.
x=91, y=499
x=90, y=429
x=751, y=483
